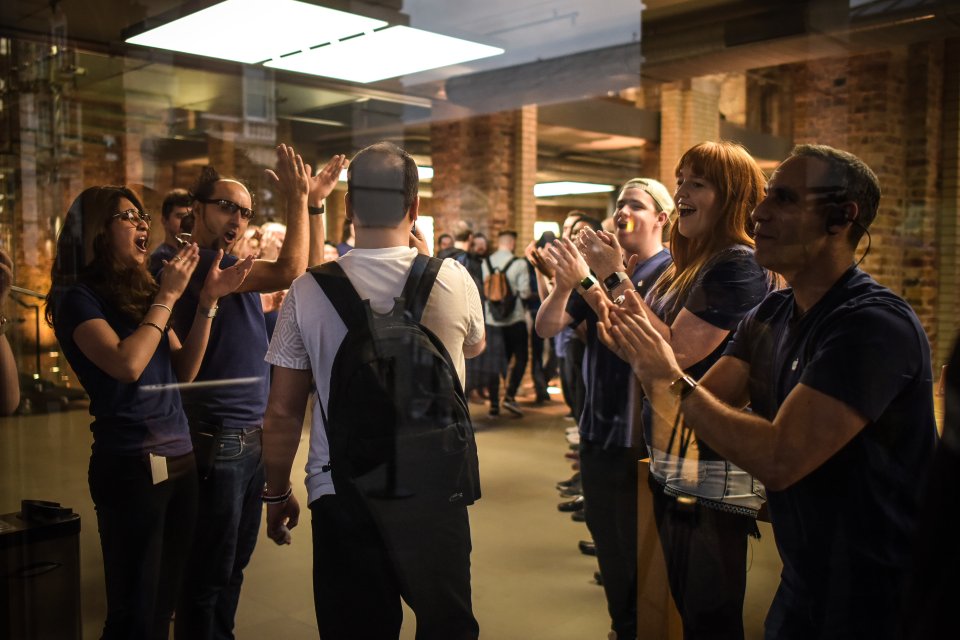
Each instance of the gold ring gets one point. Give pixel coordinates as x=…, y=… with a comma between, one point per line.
x=177, y=259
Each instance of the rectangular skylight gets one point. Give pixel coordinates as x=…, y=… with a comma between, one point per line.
x=548, y=189
x=252, y=31
x=385, y=54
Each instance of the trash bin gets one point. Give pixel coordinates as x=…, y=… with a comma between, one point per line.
x=40, y=572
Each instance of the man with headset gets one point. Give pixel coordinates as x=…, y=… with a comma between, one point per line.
x=836, y=370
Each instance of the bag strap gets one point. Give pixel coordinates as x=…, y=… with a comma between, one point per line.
x=339, y=290
x=419, y=284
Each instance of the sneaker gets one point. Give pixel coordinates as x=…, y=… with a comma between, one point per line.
x=511, y=405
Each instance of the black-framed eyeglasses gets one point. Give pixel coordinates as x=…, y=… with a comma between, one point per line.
x=133, y=216
x=230, y=207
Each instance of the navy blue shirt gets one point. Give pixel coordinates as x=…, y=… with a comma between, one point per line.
x=606, y=414
x=237, y=346
x=128, y=418
x=729, y=285
x=161, y=253
x=844, y=530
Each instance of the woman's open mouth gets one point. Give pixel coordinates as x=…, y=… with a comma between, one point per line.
x=141, y=242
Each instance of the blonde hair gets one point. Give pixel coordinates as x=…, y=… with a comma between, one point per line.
x=740, y=183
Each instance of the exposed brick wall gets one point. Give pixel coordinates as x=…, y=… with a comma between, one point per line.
x=689, y=115
x=886, y=109
x=948, y=218
x=477, y=174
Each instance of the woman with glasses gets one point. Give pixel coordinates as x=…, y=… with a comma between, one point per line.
x=110, y=317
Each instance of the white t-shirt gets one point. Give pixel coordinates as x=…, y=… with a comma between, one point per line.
x=309, y=330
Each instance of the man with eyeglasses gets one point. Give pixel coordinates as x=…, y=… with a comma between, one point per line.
x=176, y=218
x=226, y=413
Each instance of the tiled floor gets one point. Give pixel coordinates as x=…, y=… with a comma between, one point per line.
x=529, y=580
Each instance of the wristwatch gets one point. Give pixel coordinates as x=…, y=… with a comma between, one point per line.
x=614, y=280
x=210, y=312
x=317, y=211
x=683, y=386
x=587, y=282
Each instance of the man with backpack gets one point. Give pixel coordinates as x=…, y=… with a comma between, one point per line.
x=392, y=463
x=506, y=284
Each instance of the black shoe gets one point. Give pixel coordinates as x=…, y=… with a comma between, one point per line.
x=578, y=516
x=511, y=405
x=598, y=578
x=588, y=547
x=566, y=484
x=542, y=400
x=574, y=505
x=572, y=492
x=494, y=412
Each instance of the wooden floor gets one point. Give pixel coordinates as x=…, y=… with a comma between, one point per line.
x=529, y=580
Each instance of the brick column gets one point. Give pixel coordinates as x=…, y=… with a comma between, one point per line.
x=690, y=114
x=475, y=165
x=524, y=174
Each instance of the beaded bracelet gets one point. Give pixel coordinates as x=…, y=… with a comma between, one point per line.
x=280, y=499
x=154, y=325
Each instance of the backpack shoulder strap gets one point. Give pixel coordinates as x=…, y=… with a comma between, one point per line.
x=339, y=290
x=419, y=283
x=490, y=268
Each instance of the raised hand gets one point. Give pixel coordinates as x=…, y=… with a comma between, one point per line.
x=650, y=356
x=568, y=264
x=219, y=282
x=178, y=269
x=292, y=176
x=602, y=252
x=323, y=183
x=537, y=257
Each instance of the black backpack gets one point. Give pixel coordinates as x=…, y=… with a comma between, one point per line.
x=397, y=422
x=498, y=293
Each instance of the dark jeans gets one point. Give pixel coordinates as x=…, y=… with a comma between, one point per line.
x=706, y=554
x=537, y=367
x=515, y=339
x=145, y=532
x=571, y=377
x=610, y=488
x=227, y=528
x=360, y=574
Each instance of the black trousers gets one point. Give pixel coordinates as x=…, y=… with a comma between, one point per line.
x=145, y=534
x=571, y=377
x=516, y=346
x=610, y=490
x=361, y=570
x=706, y=554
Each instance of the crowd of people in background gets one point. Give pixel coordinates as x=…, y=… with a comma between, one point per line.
x=729, y=290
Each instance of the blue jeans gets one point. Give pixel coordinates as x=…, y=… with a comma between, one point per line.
x=228, y=522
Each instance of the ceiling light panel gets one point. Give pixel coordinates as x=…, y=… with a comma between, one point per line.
x=385, y=54
x=252, y=31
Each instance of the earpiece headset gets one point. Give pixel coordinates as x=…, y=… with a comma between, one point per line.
x=836, y=216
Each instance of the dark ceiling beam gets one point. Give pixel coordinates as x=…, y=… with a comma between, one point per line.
x=603, y=116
